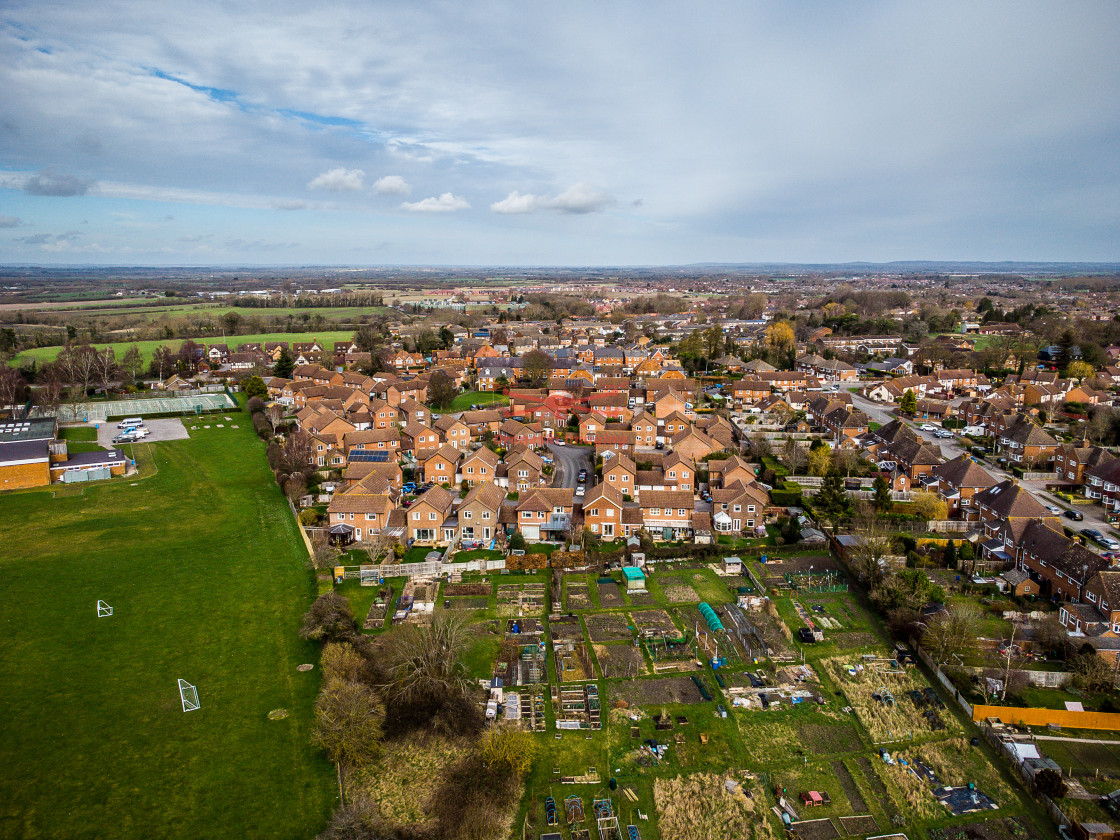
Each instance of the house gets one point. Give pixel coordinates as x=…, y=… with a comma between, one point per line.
x=367, y=513
x=480, y=466
x=478, y=512
x=738, y=508
x=1060, y=566
x=590, y=425
x=419, y=440
x=620, y=473
x=482, y=421
x=28, y=451
x=454, y=431
x=1072, y=460
x=644, y=428
x=1025, y=443
x=602, y=511
x=1018, y=583
x=440, y=466
x=524, y=470
x=545, y=513
x=667, y=514
x=515, y=433
x=958, y=480
x=429, y=517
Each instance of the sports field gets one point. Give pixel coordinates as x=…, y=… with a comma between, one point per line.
x=205, y=572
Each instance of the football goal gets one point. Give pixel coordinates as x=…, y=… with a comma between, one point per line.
x=189, y=695
x=103, y=610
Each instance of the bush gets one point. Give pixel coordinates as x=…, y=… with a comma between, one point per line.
x=517, y=541
x=309, y=517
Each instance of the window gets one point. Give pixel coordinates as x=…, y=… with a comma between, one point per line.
x=655, y=511
x=486, y=514
x=432, y=516
x=416, y=517
x=466, y=514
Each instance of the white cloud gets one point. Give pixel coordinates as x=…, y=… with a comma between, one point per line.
x=517, y=202
x=10, y=221
x=445, y=203
x=392, y=185
x=338, y=180
x=578, y=198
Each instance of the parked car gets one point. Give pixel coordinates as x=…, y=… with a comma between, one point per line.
x=582, y=476
x=943, y=433
x=1054, y=509
x=1110, y=543
x=1092, y=533
x=581, y=490
x=1075, y=515
x=928, y=427
x=409, y=487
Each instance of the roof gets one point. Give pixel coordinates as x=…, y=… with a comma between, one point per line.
x=633, y=573
x=33, y=428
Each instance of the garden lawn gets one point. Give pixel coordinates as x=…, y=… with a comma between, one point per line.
x=206, y=574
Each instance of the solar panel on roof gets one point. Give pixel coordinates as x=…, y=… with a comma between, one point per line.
x=369, y=456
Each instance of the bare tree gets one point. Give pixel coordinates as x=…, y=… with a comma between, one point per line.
x=867, y=557
x=297, y=453
x=952, y=632
x=13, y=389
x=425, y=662
x=793, y=456
x=105, y=368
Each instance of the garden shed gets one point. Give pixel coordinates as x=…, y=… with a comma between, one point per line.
x=635, y=579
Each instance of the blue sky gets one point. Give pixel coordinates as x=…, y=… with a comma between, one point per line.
x=576, y=133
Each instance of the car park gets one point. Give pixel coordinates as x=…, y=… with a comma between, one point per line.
x=1075, y=515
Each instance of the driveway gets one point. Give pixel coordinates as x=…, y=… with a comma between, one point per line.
x=569, y=460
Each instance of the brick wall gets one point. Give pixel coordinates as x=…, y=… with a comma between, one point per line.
x=19, y=476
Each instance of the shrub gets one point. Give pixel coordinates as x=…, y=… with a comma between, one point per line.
x=309, y=517
x=517, y=541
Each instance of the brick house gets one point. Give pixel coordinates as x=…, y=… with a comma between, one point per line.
x=427, y=517
x=440, y=466
x=667, y=514
x=480, y=466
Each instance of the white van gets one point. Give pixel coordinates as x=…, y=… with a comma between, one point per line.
x=130, y=421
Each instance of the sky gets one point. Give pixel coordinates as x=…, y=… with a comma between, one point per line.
x=360, y=132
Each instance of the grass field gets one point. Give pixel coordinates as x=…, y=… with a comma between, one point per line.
x=464, y=401
x=46, y=354
x=205, y=572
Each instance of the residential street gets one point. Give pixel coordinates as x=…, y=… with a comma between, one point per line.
x=953, y=448
x=569, y=460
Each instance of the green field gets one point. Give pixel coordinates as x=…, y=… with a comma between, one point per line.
x=203, y=567
x=464, y=401
x=327, y=337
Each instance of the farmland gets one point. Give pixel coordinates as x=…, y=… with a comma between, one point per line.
x=46, y=354
x=211, y=592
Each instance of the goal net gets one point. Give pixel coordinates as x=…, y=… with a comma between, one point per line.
x=189, y=695
x=103, y=610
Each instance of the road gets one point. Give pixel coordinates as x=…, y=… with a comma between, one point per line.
x=953, y=447
x=569, y=460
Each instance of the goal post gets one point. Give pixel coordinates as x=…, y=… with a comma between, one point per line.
x=103, y=610
x=189, y=696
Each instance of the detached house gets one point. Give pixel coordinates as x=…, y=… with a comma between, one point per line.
x=602, y=511
x=545, y=513
x=364, y=512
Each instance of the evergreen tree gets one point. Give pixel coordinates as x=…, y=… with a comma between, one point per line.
x=950, y=555
x=284, y=364
x=831, y=502
x=908, y=404
x=882, y=501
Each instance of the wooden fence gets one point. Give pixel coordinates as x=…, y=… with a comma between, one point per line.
x=1043, y=717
